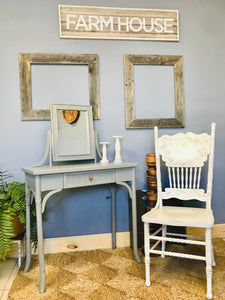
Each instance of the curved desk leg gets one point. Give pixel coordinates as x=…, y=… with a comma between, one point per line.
x=40, y=233
x=132, y=193
x=113, y=191
x=28, y=242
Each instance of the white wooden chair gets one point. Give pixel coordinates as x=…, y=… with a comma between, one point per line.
x=184, y=156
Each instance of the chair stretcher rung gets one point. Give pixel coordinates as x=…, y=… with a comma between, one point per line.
x=155, y=245
x=157, y=231
x=191, y=256
x=185, y=235
x=174, y=240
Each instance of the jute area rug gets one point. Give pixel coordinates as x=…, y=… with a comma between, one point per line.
x=114, y=274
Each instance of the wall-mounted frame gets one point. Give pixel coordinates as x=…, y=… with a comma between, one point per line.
x=72, y=137
x=27, y=59
x=167, y=60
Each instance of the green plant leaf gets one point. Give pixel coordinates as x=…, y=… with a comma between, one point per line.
x=22, y=217
x=6, y=233
x=13, y=202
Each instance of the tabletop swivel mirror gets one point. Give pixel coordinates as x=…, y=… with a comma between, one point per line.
x=72, y=136
x=72, y=132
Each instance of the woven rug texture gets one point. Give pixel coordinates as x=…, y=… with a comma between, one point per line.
x=114, y=274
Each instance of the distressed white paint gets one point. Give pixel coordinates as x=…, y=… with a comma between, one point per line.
x=184, y=155
x=104, y=159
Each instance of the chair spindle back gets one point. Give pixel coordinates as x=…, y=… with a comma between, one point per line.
x=184, y=155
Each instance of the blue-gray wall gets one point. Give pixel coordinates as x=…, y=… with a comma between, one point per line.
x=32, y=26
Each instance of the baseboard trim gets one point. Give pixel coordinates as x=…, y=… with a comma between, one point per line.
x=77, y=243
x=102, y=241
x=85, y=242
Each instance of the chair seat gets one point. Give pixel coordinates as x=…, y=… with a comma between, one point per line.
x=180, y=216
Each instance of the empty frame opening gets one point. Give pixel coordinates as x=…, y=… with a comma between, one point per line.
x=154, y=91
x=59, y=84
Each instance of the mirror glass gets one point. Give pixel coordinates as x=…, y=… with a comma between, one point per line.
x=72, y=132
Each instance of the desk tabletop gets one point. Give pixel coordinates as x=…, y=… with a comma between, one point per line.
x=44, y=170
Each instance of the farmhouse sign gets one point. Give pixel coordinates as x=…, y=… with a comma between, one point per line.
x=118, y=23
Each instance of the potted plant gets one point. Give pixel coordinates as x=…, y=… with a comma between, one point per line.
x=12, y=212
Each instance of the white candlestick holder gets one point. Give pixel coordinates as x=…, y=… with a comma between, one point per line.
x=118, y=158
x=104, y=159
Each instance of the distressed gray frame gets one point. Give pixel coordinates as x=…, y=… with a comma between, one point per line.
x=25, y=61
x=167, y=60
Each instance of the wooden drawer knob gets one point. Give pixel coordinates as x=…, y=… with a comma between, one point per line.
x=91, y=177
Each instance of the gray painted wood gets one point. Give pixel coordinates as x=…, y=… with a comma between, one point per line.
x=72, y=141
x=56, y=178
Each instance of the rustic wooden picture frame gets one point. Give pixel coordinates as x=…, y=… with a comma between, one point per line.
x=167, y=60
x=25, y=61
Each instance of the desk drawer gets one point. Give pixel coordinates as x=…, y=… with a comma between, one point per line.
x=124, y=174
x=88, y=178
x=51, y=182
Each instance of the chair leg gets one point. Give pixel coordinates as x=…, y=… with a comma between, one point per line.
x=164, y=229
x=147, y=254
x=213, y=258
x=208, y=262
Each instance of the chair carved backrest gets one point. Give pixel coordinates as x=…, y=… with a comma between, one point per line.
x=184, y=155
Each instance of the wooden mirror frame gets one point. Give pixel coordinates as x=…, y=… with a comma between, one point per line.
x=167, y=60
x=25, y=61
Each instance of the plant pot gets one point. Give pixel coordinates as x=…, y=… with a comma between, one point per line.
x=18, y=228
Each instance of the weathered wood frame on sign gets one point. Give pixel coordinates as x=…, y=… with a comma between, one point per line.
x=27, y=59
x=167, y=60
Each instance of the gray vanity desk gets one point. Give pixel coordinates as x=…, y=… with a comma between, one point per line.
x=55, y=177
